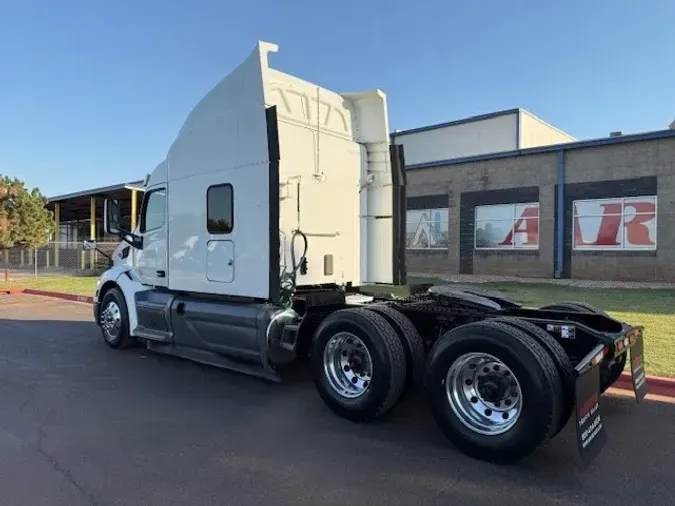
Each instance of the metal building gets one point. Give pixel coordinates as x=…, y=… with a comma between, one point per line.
x=79, y=215
x=497, y=132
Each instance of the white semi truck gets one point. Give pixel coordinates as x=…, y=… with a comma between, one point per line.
x=278, y=200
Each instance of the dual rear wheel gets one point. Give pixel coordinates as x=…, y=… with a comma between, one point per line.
x=362, y=361
x=497, y=388
x=496, y=391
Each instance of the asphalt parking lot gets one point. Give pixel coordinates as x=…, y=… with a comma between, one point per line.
x=81, y=424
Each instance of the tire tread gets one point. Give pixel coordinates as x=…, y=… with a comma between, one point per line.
x=412, y=343
x=549, y=369
x=562, y=362
x=394, y=346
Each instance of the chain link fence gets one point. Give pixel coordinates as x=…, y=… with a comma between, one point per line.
x=54, y=259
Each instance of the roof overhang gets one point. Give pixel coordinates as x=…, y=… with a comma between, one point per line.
x=77, y=206
x=104, y=191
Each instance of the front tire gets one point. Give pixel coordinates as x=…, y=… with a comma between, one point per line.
x=494, y=391
x=358, y=364
x=115, y=320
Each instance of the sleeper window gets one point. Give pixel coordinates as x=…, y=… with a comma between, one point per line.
x=220, y=209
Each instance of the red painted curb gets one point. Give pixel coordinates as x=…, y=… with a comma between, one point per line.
x=11, y=291
x=657, y=385
x=57, y=295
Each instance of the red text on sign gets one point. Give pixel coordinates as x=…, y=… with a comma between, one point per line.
x=613, y=215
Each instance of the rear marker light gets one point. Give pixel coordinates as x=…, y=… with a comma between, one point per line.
x=598, y=358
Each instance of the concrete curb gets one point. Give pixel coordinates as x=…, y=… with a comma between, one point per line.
x=657, y=384
x=46, y=293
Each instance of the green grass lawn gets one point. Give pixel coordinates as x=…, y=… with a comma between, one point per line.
x=74, y=285
x=655, y=309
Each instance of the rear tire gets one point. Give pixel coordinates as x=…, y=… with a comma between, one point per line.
x=115, y=320
x=358, y=364
x=562, y=362
x=516, y=408
x=413, y=345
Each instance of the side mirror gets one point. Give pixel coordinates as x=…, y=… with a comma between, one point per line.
x=111, y=216
x=89, y=245
x=112, y=224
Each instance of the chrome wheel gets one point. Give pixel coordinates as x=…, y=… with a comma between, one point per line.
x=347, y=365
x=484, y=393
x=111, y=321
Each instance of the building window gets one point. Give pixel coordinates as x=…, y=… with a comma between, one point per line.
x=154, y=208
x=507, y=226
x=627, y=224
x=427, y=229
x=220, y=209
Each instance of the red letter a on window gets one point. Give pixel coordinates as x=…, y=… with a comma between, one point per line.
x=528, y=224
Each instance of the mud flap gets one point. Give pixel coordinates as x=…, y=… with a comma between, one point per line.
x=591, y=435
x=637, y=369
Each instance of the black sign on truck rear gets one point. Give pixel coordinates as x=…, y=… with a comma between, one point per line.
x=591, y=435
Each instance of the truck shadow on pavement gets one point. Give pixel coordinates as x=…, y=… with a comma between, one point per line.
x=62, y=377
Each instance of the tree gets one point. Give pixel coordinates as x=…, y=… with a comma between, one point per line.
x=9, y=188
x=24, y=218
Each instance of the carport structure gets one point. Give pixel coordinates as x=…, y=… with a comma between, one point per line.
x=79, y=215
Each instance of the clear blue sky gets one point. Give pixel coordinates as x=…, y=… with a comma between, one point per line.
x=93, y=92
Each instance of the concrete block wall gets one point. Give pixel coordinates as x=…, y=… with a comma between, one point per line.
x=633, y=168
x=620, y=169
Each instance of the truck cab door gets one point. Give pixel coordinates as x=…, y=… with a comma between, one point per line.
x=151, y=261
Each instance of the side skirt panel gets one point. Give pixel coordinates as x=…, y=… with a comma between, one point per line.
x=213, y=359
x=222, y=333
